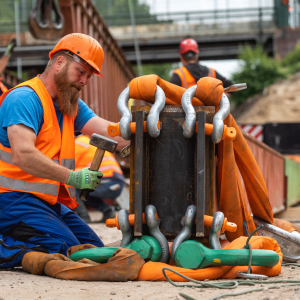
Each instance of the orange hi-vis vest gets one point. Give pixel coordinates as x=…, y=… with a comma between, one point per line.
x=58, y=147
x=84, y=154
x=3, y=88
x=187, y=80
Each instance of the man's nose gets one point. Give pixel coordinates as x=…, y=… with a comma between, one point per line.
x=84, y=79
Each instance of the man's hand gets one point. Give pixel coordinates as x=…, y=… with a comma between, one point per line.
x=85, y=179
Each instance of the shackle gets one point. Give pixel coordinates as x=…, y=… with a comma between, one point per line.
x=127, y=234
x=186, y=231
x=218, y=120
x=190, y=113
x=153, y=225
x=153, y=117
x=122, y=105
x=215, y=230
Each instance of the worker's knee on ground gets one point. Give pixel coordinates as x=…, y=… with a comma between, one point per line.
x=209, y=91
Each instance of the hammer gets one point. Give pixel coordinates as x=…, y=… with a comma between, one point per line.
x=103, y=144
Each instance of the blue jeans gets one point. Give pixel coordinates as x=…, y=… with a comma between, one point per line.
x=28, y=223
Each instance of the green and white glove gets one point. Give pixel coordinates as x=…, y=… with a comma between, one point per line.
x=85, y=179
x=10, y=47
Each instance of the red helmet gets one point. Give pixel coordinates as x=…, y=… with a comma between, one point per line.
x=188, y=45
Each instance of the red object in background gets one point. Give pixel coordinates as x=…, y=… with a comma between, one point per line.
x=254, y=130
x=188, y=45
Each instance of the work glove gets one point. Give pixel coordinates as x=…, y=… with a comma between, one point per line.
x=85, y=179
x=10, y=47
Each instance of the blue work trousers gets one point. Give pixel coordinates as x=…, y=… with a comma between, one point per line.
x=28, y=223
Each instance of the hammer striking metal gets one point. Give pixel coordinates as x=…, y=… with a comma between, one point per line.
x=103, y=144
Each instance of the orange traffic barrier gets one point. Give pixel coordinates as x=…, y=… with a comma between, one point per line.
x=227, y=226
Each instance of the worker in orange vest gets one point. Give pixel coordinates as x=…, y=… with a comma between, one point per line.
x=111, y=184
x=38, y=181
x=3, y=63
x=191, y=71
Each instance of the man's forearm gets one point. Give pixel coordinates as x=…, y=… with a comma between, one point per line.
x=39, y=165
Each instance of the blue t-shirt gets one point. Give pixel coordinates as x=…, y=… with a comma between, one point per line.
x=23, y=106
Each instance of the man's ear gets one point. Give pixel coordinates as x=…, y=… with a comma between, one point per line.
x=60, y=63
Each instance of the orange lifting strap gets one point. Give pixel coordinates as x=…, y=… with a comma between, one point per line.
x=232, y=155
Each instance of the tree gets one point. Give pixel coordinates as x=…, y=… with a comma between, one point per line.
x=257, y=70
x=116, y=12
x=292, y=61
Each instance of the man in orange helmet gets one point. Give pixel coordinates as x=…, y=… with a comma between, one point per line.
x=191, y=71
x=38, y=119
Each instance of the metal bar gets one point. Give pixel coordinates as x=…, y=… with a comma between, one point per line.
x=139, y=172
x=200, y=176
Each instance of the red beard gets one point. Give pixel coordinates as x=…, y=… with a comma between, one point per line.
x=67, y=93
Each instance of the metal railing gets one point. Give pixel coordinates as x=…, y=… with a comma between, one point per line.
x=261, y=16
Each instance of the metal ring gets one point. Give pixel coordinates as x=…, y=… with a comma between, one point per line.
x=126, y=114
x=215, y=230
x=186, y=231
x=150, y=213
x=153, y=118
x=127, y=234
x=219, y=118
x=190, y=113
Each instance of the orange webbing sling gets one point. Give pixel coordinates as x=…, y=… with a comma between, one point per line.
x=230, y=154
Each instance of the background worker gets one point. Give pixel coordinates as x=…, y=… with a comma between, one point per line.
x=3, y=63
x=191, y=71
x=38, y=183
x=111, y=184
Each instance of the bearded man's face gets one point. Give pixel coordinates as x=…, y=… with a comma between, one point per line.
x=67, y=92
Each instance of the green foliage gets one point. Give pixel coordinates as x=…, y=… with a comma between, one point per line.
x=162, y=70
x=292, y=61
x=116, y=12
x=257, y=70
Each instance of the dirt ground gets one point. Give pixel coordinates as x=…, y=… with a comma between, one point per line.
x=278, y=103
x=17, y=284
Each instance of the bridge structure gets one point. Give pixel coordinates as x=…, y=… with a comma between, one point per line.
x=219, y=33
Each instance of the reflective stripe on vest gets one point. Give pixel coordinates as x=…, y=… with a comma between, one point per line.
x=24, y=186
x=49, y=141
x=84, y=153
x=7, y=157
x=211, y=73
x=187, y=79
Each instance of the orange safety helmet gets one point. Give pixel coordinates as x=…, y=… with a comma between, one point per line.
x=83, y=46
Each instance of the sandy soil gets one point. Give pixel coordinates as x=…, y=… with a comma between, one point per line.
x=16, y=284
x=278, y=103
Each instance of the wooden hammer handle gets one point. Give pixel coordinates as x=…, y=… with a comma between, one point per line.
x=95, y=165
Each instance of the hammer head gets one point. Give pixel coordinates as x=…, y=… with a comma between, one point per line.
x=103, y=142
